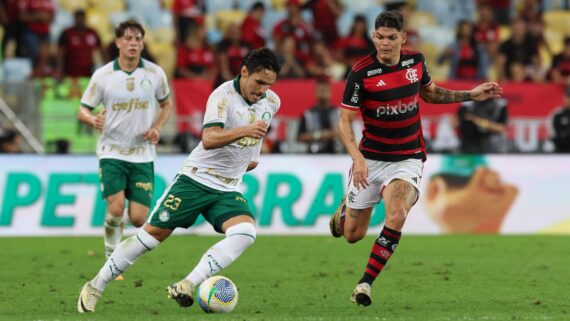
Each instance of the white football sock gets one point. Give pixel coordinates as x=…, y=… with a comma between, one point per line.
x=238, y=238
x=123, y=257
x=127, y=218
x=113, y=233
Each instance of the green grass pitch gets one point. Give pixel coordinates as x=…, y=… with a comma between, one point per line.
x=462, y=277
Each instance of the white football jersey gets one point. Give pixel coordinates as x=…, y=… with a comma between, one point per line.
x=223, y=168
x=131, y=102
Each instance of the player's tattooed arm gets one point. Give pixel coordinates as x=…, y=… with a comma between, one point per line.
x=437, y=95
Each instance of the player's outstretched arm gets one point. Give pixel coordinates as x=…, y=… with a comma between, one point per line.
x=438, y=95
x=216, y=137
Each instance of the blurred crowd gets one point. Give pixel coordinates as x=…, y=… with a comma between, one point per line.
x=503, y=40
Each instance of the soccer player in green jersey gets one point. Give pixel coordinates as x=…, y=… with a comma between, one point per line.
x=238, y=114
x=135, y=95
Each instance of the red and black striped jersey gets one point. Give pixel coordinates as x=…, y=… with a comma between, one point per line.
x=388, y=98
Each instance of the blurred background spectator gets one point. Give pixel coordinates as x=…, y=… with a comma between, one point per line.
x=318, y=126
x=36, y=17
x=77, y=47
x=519, y=51
x=469, y=60
x=482, y=126
x=185, y=14
x=561, y=125
x=251, y=28
x=10, y=142
x=231, y=51
x=325, y=17
x=356, y=44
x=195, y=59
x=291, y=65
x=52, y=47
x=560, y=70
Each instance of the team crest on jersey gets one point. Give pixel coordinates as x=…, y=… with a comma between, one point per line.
x=251, y=116
x=164, y=216
x=146, y=84
x=266, y=117
x=412, y=75
x=131, y=84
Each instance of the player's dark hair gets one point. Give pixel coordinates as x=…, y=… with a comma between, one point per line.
x=259, y=59
x=390, y=19
x=129, y=24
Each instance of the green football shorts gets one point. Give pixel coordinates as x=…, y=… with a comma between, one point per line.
x=185, y=199
x=136, y=179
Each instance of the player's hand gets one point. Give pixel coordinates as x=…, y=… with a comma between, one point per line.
x=152, y=134
x=99, y=122
x=257, y=129
x=486, y=91
x=360, y=173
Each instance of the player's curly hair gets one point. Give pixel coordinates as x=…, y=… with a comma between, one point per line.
x=390, y=19
x=259, y=59
x=129, y=24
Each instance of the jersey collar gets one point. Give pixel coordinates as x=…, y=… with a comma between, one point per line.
x=116, y=66
x=237, y=88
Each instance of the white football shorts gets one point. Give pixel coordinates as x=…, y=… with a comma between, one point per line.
x=380, y=174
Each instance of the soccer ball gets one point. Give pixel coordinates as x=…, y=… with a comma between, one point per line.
x=217, y=294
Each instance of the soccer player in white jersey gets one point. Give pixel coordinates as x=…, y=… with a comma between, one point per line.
x=238, y=114
x=131, y=90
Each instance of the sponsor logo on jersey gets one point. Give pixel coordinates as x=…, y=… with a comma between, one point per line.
x=381, y=83
x=133, y=103
x=354, y=98
x=399, y=108
x=147, y=186
x=408, y=62
x=374, y=72
x=127, y=150
x=412, y=75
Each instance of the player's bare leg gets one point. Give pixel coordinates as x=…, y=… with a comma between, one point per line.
x=399, y=197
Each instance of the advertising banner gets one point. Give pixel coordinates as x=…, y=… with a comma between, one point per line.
x=295, y=194
x=529, y=107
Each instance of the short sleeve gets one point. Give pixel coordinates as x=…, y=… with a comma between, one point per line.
x=216, y=110
x=93, y=95
x=162, y=91
x=426, y=77
x=353, y=91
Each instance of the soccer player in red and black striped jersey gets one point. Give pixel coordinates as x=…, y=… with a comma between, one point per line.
x=386, y=87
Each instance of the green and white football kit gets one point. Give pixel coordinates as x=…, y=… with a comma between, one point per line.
x=214, y=176
x=131, y=101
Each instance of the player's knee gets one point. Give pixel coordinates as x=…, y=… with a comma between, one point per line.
x=137, y=221
x=116, y=208
x=354, y=236
x=246, y=232
x=396, y=216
